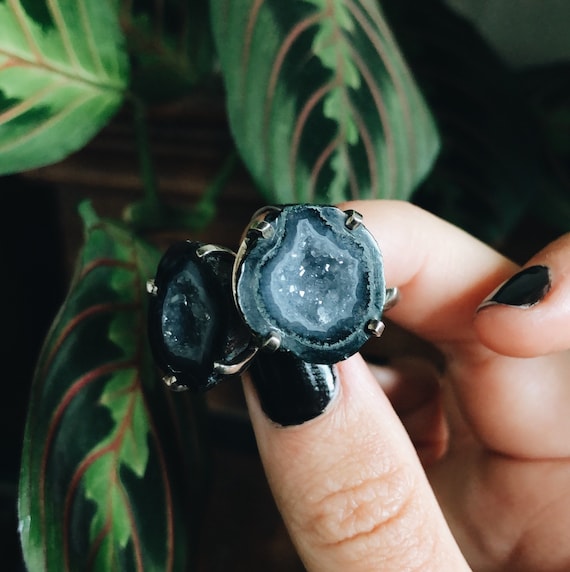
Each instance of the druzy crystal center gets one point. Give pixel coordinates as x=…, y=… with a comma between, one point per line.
x=314, y=284
x=309, y=280
x=187, y=316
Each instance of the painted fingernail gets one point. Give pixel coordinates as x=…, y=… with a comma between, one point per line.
x=523, y=290
x=292, y=391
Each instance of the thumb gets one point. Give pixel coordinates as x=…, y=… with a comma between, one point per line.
x=528, y=314
x=347, y=481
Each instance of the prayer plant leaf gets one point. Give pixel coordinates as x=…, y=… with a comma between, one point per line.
x=171, y=46
x=111, y=465
x=321, y=102
x=63, y=72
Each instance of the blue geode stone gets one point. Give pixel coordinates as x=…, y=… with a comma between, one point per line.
x=313, y=281
x=192, y=320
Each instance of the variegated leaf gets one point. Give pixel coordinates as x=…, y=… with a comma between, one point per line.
x=321, y=102
x=63, y=71
x=102, y=484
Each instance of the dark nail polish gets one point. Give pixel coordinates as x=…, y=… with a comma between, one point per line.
x=292, y=391
x=524, y=289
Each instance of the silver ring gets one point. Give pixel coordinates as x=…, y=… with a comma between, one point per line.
x=307, y=279
x=195, y=334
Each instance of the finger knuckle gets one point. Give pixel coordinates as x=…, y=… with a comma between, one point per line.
x=376, y=509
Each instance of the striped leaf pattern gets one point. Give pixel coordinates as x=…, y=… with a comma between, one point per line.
x=321, y=102
x=99, y=488
x=63, y=71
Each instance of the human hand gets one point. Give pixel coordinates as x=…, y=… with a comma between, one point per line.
x=407, y=468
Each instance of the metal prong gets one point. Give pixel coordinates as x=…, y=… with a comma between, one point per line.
x=271, y=342
x=229, y=369
x=354, y=219
x=392, y=297
x=238, y=367
x=264, y=211
x=151, y=287
x=375, y=328
x=172, y=383
x=206, y=249
x=262, y=228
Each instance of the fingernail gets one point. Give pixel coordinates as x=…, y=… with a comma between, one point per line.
x=523, y=290
x=292, y=391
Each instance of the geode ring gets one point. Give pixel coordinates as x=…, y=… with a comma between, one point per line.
x=309, y=280
x=195, y=333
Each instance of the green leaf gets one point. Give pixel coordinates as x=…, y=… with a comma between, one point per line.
x=321, y=102
x=109, y=468
x=63, y=72
x=171, y=46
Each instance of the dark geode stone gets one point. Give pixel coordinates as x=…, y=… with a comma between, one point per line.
x=192, y=320
x=315, y=282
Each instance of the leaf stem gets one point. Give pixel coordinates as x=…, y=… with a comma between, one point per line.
x=206, y=206
x=150, y=213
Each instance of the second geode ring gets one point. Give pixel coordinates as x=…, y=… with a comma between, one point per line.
x=195, y=333
x=309, y=279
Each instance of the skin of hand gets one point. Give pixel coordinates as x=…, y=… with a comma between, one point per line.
x=409, y=468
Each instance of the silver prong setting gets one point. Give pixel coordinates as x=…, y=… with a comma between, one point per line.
x=238, y=367
x=271, y=342
x=392, y=297
x=173, y=384
x=354, y=219
x=151, y=287
x=227, y=369
x=262, y=229
x=207, y=249
x=375, y=328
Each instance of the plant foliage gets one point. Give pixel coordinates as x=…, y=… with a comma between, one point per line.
x=326, y=100
x=322, y=105
x=63, y=71
x=96, y=447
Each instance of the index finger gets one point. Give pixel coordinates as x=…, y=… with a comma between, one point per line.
x=442, y=272
x=517, y=406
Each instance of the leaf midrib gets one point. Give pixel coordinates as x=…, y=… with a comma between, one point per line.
x=76, y=78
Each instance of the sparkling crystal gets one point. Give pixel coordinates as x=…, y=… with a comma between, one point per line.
x=314, y=285
x=188, y=317
x=314, y=282
x=193, y=323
